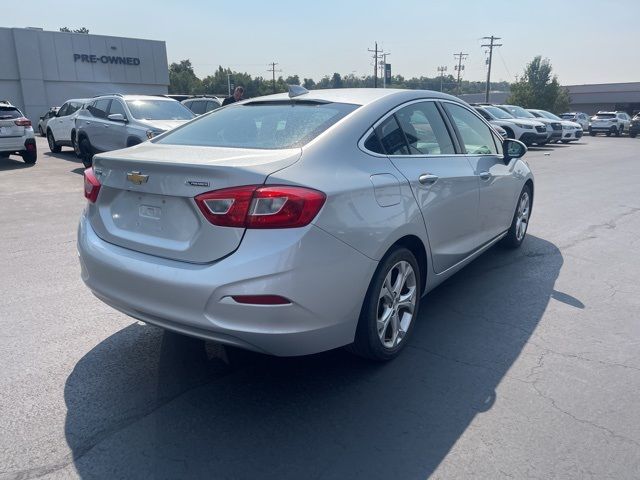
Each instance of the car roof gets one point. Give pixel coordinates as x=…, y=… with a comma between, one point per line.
x=359, y=96
x=147, y=97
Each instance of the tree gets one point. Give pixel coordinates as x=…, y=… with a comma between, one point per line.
x=308, y=83
x=539, y=88
x=292, y=80
x=78, y=30
x=182, y=78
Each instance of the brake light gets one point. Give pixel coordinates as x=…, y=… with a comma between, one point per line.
x=91, y=185
x=22, y=122
x=255, y=206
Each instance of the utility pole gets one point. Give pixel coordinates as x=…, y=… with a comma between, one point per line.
x=441, y=71
x=490, y=45
x=383, y=71
x=460, y=56
x=229, y=83
x=273, y=72
x=376, y=56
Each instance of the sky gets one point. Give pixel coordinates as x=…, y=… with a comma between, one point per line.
x=587, y=41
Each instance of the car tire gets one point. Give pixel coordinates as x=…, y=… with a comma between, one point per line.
x=29, y=157
x=565, y=141
x=593, y=134
x=520, y=222
x=86, y=152
x=40, y=131
x=386, y=321
x=633, y=135
x=608, y=134
x=53, y=146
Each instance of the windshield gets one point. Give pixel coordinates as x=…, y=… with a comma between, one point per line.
x=268, y=125
x=159, y=110
x=606, y=115
x=548, y=115
x=517, y=112
x=498, y=113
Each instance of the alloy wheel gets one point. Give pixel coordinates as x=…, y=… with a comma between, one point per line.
x=396, y=304
x=522, y=216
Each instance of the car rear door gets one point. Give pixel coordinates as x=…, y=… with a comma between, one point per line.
x=498, y=184
x=418, y=142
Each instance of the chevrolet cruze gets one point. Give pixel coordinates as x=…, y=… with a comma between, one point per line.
x=296, y=223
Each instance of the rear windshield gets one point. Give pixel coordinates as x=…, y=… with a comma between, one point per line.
x=7, y=113
x=159, y=110
x=268, y=125
x=606, y=115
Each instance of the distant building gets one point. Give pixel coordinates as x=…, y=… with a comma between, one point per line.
x=41, y=69
x=585, y=98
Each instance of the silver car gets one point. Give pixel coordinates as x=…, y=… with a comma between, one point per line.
x=292, y=224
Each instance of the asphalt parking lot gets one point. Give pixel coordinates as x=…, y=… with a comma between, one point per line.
x=524, y=365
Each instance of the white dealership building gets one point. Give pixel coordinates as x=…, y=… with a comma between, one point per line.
x=41, y=69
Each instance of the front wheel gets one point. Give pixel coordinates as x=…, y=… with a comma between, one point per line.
x=52, y=143
x=390, y=307
x=633, y=135
x=518, y=229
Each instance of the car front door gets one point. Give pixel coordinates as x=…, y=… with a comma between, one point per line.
x=56, y=123
x=115, y=131
x=418, y=142
x=498, y=183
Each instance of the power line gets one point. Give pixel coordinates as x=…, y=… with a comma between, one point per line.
x=273, y=72
x=441, y=71
x=377, y=55
x=491, y=45
x=460, y=56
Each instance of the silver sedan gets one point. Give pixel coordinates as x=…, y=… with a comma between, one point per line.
x=296, y=223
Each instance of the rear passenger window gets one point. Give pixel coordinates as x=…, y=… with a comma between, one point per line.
x=476, y=136
x=373, y=144
x=197, y=107
x=392, y=138
x=425, y=130
x=211, y=105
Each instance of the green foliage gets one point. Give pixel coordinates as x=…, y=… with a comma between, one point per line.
x=182, y=78
x=78, y=30
x=539, y=88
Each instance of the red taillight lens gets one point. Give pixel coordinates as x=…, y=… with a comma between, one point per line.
x=253, y=206
x=261, y=299
x=91, y=185
x=23, y=122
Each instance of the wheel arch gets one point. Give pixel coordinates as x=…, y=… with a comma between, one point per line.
x=416, y=246
x=133, y=140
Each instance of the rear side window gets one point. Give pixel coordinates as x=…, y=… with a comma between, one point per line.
x=211, y=105
x=267, y=125
x=474, y=133
x=7, y=113
x=392, y=138
x=424, y=129
x=197, y=107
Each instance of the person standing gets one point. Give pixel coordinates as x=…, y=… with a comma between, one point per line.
x=237, y=95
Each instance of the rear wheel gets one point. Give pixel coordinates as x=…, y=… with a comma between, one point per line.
x=390, y=307
x=52, y=143
x=86, y=152
x=633, y=135
x=518, y=230
x=30, y=156
x=566, y=141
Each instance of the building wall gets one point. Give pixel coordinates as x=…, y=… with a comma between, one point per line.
x=40, y=69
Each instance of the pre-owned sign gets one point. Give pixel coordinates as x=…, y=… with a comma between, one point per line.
x=77, y=57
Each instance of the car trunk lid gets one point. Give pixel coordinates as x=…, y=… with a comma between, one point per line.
x=146, y=200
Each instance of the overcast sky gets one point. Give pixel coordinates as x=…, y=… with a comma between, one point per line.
x=587, y=41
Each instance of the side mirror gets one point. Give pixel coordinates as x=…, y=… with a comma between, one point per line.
x=513, y=149
x=117, y=117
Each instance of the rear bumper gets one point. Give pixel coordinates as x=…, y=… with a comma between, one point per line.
x=15, y=144
x=325, y=279
x=611, y=128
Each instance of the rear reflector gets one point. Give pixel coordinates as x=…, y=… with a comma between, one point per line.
x=255, y=206
x=91, y=185
x=261, y=299
x=23, y=122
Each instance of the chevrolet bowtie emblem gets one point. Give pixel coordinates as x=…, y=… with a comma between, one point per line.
x=137, y=178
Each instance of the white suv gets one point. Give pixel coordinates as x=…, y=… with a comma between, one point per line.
x=61, y=129
x=527, y=131
x=609, y=122
x=16, y=134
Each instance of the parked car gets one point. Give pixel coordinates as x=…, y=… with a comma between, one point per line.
x=16, y=134
x=501, y=131
x=615, y=123
x=202, y=105
x=571, y=131
x=527, y=131
x=44, y=119
x=296, y=223
x=578, y=117
x=554, y=128
x=112, y=122
x=61, y=129
x=634, y=126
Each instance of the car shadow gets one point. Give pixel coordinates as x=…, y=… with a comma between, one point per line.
x=144, y=403
x=66, y=154
x=13, y=163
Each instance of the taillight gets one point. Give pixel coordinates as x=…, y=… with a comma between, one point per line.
x=91, y=185
x=23, y=122
x=254, y=206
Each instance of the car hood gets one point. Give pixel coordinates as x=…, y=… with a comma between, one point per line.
x=569, y=123
x=164, y=125
x=524, y=121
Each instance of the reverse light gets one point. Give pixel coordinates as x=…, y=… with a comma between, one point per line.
x=91, y=185
x=255, y=206
x=22, y=122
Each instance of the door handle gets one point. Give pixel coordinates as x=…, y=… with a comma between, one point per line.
x=428, y=179
x=485, y=175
